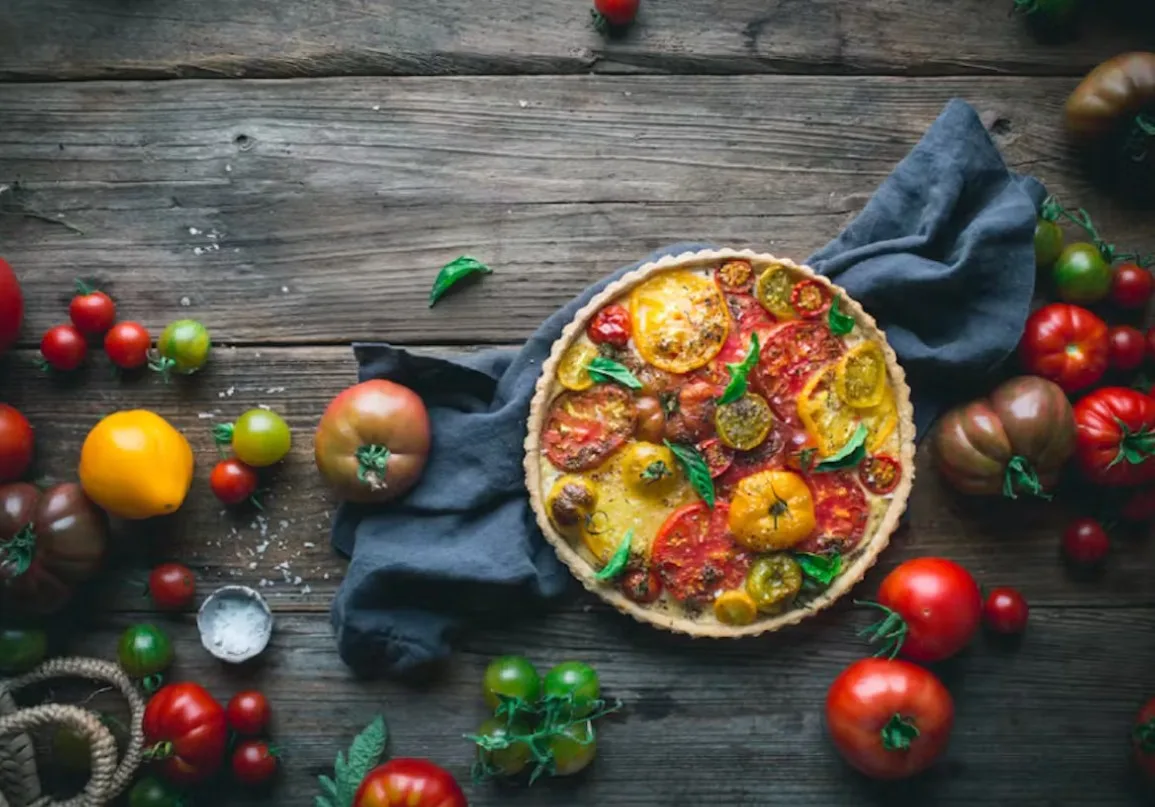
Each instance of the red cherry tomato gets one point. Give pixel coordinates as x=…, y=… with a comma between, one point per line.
x=1085, y=542
x=248, y=713
x=1005, y=611
x=254, y=762
x=1126, y=347
x=63, y=348
x=940, y=604
x=617, y=12
x=1132, y=286
x=233, y=482
x=92, y=312
x=172, y=586
x=409, y=783
x=127, y=345
x=610, y=326
x=642, y=585
x=16, y=443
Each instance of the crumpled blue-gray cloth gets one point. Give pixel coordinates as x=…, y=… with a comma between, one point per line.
x=942, y=256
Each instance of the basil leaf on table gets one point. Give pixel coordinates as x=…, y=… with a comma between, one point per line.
x=740, y=372
x=453, y=272
x=617, y=564
x=603, y=370
x=840, y=324
x=696, y=470
x=850, y=454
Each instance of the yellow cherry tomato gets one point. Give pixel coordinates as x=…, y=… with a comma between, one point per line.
x=860, y=378
x=832, y=422
x=135, y=465
x=572, y=370
x=773, y=290
x=649, y=469
x=772, y=510
x=735, y=607
x=571, y=503
x=680, y=320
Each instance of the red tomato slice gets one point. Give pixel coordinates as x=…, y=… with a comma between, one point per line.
x=840, y=512
x=880, y=474
x=695, y=554
x=584, y=428
x=719, y=456
x=789, y=357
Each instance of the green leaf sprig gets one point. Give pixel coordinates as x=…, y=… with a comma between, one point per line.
x=819, y=570
x=740, y=372
x=617, y=563
x=850, y=455
x=349, y=771
x=603, y=370
x=840, y=324
x=696, y=469
x=453, y=272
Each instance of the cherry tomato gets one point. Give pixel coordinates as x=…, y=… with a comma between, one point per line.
x=889, y=719
x=1082, y=275
x=1143, y=739
x=183, y=347
x=233, y=482
x=172, y=586
x=127, y=345
x=254, y=762
x=510, y=677
x=574, y=749
x=940, y=604
x=248, y=713
x=144, y=650
x=1126, y=347
x=512, y=759
x=736, y=276
x=610, y=326
x=1085, y=542
x=92, y=312
x=63, y=348
x=809, y=299
x=1048, y=243
x=641, y=585
x=261, y=438
x=617, y=12
x=651, y=419
x=575, y=680
x=16, y=444
x=151, y=792
x=1005, y=611
x=880, y=474
x=719, y=456
x=405, y=782
x=1132, y=286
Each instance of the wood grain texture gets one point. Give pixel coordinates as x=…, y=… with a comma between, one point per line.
x=334, y=202
x=77, y=39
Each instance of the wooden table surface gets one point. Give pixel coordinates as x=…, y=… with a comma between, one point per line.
x=293, y=173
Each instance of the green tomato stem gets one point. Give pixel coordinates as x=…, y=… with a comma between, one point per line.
x=1145, y=736
x=223, y=434
x=1021, y=476
x=890, y=631
x=164, y=366
x=899, y=733
x=155, y=753
x=19, y=551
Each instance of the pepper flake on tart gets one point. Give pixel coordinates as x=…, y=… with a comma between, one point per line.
x=720, y=443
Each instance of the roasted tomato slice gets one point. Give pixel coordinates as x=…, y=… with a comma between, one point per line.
x=860, y=379
x=573, y=369
x=719, y=456
x=840, y=513
x=747, y=312
x=695, y=554
x=692, y=415
x=735, y=275
x=744, y=423
x=584, y=428
x=880, y=474
x=773, y=289
x=790, y=356
x=809, y=299
x=679, y=320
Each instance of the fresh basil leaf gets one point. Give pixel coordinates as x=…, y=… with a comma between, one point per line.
x=822, y=569
x=454, y=271
x=840, y=324
x=696, y=470
x=740, y=372
x=603, y=370
x=617, y=564
x=850, y=454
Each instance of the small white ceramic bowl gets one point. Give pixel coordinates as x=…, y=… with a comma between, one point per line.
x=235, y=623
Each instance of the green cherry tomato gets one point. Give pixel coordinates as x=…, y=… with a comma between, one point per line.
x=71, y=750
x=508, y=761
x=184, y=346
x=1048, y=243
x=152, y=792
x=1081, y=274
x=261, y=438
x=144, y=650
x=576, y=680
x=21, y=649
x=773, y=582
x=512, y=677
x=574, y=748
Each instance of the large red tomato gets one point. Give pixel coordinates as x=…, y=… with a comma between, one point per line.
x=185, y=729
x=11, y=306
x=409, y=783
x=1115, y=440
x=935, y=607
x=890, y=719
x=1066, y=344
x=372, y=442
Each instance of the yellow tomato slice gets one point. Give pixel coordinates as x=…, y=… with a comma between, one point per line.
x=679, y=319
x=860, y=379
x=735, y=607
x=572, y=370
x=745, y=423
x=832, y=422
x=773, y=290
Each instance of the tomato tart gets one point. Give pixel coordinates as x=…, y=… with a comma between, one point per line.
x=721, y=443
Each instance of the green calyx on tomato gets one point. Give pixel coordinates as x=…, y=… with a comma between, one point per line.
x=899, y=733
x=18, y=551
x=1135, y=447
x=1144, y=735
x=183, y=347
x=1021, y=477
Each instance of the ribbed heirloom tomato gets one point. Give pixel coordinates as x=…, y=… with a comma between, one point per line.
x=409, y=783
x=1066, y=344
x=1115, y=442
x=184, y=728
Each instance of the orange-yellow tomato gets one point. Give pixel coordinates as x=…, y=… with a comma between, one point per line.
x=772, y=510
x=680, y=320
x=135, y=465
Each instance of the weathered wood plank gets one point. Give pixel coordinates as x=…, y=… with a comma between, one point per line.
x=78, y=39
x=287, y=546
x=1040, y=724
x=334, y=202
